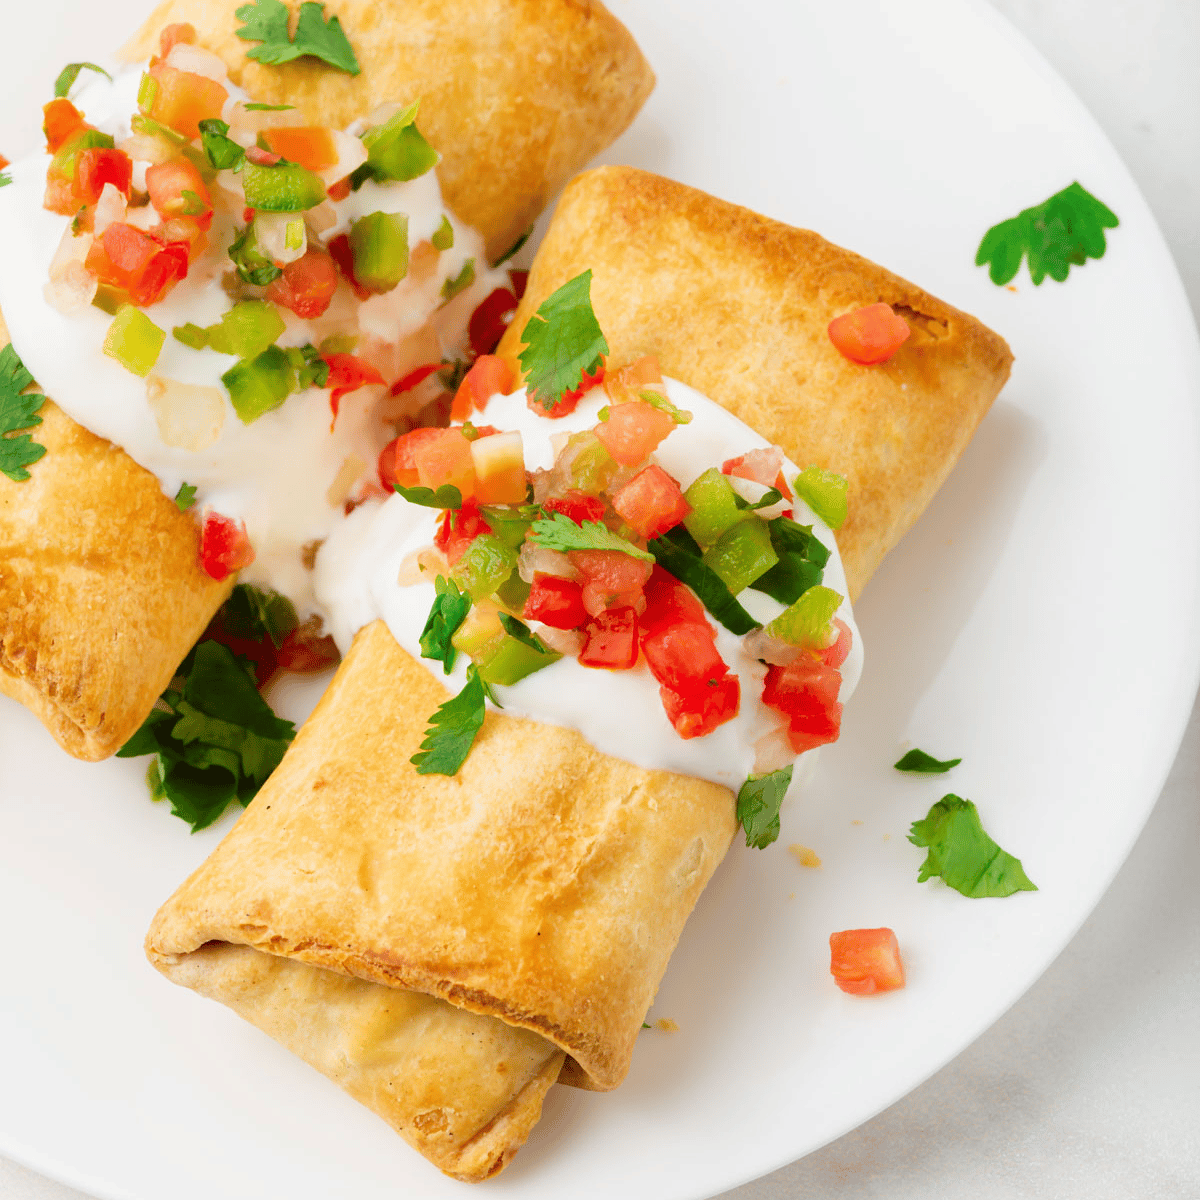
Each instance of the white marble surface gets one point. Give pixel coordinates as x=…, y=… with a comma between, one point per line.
x=1090, y=1085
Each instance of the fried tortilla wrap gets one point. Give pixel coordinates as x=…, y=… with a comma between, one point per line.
x=103, y=592
x=546, y=884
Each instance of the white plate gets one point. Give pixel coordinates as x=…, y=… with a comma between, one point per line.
x=1041, y=621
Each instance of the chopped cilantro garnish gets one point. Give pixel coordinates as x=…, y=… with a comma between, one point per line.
x=447, y=496
x=963, y=854
x=522, y=632
x=758, y=804
x=221, y=150
x=193, y=206
x=17, y=412
x=920, y=763
x=254, y=613
x=453, y=373
x=311, y=368
x=5, y=179
x=452, y=730
x=443, y=237
x=462, y=281
x=677, y=552
x=1062, y=232
x=769, y=497
x=801, y=565
x=69, y=73
x=512, y=250
x=563, y=341
x=185, y=497
x=268, y=107
x=266, y=22
x=558, y=532
x=253, y=266
x=657, y=400
x=450, y=608
x=215, y=739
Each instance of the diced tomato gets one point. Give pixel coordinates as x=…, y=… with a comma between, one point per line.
x=397, y=466
x=172, y=35
x=487, y=377
x=611, y=579
x=499, y=462
x=684, y=656
x=309, y=145
x=132, y=260
x=577, y=505
x=339, y=249
x=306, y=649
x=182, y=99
x=490, y=319
x=651, y=502
x=262, y=158
x=555, y=601
x=520, y=280
x=339, y=190
x=186, y=232
x=306, y=286
x=459, y=528
x=445, y=459
x=3, y=162
x=612, y=639
x=570, y=400
x=60, y=196
x=224, y=546
x=627, y=383
x=167, y=184
x=347, y=374
x=836, y=654
x=866, y=961
x=869, y=335
x=96, y=167
x=61, y=121
x=806, y=692
x=414, y=378
x=669, y=602
x=699, y=711
x=633, y=431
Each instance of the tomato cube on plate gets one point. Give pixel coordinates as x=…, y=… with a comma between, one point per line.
x=612, y=640
x=869, y=335
x=224, y=546
x=651, y=502
x=865, y=961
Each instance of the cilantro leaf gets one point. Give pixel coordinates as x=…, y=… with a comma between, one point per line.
x=512, y=250
x=450, y=608
x=758, y=804
x=963, y=854
x=522, y=632
x=563, y=341
x=1062, y=232
x=311, y=368
x=5, y=179
x=266, y=21
x=220, y=149
x=185, y=497
x=254, y=613
x=801, y=565
x=452, y=730
x=558, y=532
x=920, y=763
x=17, y=412
x=463, y=280
x=69, y=73
x=443, y=238
x=769, y=497
x=677, y=552
x=447, y=496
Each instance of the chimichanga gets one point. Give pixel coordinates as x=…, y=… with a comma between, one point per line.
x=105, y=596
x=546, y=883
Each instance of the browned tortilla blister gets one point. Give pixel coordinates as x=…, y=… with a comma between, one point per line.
x=542, y=889
x=101, y=586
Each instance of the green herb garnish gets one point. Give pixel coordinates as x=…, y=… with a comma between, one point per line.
x=17, y=412
x=758, y=804
x=522, y=632
x=253, y=266
x=679, y=415
x=69, y=73
x=185, y=497
x=1062, y=232
x=268, y=107
x=447, y=496
x=311, y=369
x=266, y=22
x=563, y=342
x=963, y=854
x=512, y=250
x=452, y=730
x=920, y=763
x=443, y=237
x=5, y=179
x=462, y=281
x=679, y=553
x=222, y=152
x=254, y=613
x=801, y=565
x=450, y=608
x=558, y=532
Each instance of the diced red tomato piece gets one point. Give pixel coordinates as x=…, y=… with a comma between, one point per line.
x=262, y=158
x=347, y=373
x=555, y=601
x=186, y=232
x=414, y=378
x=224, y=546
x=611, y=579
x=459, y=528
x=577, y=505
x=307, y=285
x=670, y=602
x=633, y=431
x=612, y=640
x=866, y=961
x=806, y=692
x=61, y=121
x=309, y=145
x=172, y=35
x=446, y=459
x=339, y=249
x=869, y=335
x=60, y=196
x=836, y=654
x=487, y=377
x=684, y=656
x=698, y=711
x=651, y=502
x=520, y=281
x=306, y=649
x=340, y=190
x=570, y=400
x=397, y=466
x=182, y=99
x=627, y=383
x=167, y=184
x=96, y=167
x=490, y=319
x=132, y=260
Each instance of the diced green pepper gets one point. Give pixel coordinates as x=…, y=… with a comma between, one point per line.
x=258, y=385
x=193, y=336
x=395, y=150
x=507, y=524
x=379, y=243
x=593, y=467
x=824, y=492
x=513, y=593
x=247, y=329
x=443, y=239
x=463, y=280
x=714, y=507
x=807, y=621
x=743, y=553
x=90, y=139
x=109, y=299
x=480, y=629
x=283, y=188
x=485, y=564
x=134, y=340
x=511, y=660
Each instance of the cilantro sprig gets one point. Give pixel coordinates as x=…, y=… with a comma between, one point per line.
x=450, y=608
x=452, y=730
x=185, y=497
x=69, y=73
x=266, y=22
x=919, y=763
x=1059, y=233
x=222, y=152
x=801, y=565
x=563, y=342
x=254, y=613
x=523, y=634
x=446, y=496
x=678, y=552
x=557, y=531
x=17, y=412
x=758, y=805
x=962, y=853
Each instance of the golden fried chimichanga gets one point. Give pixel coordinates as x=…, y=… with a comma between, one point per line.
x=546, y=883
x=103, y=590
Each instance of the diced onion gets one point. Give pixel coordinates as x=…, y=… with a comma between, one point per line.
x=773, y=752
x=351, y=154
x=189, y=416
x=72, y=248
x=246, y=124
x=348, y=475
x=110, y=208
x=146, y=150
x=758, y=643
x=322, y=218
x=186, y=57
x=281, y=236
x=753, y=491
x=567, y=642
x=534, y=558
x=72, y=290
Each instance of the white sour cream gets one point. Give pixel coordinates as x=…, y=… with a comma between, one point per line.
x=619, y=712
